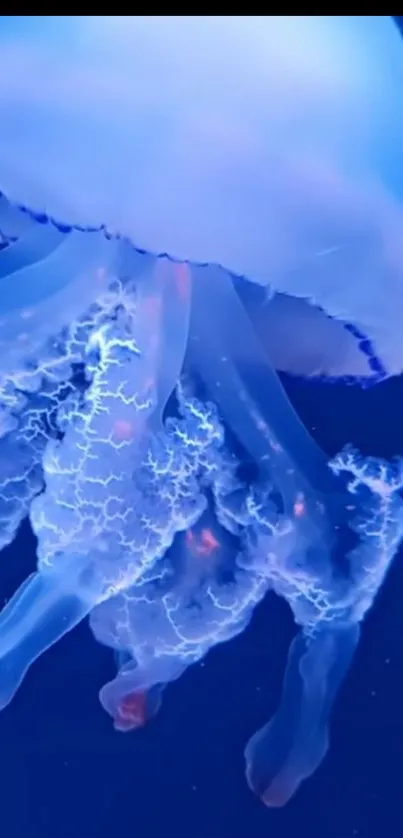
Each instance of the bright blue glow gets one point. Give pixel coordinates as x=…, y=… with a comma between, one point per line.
x=134, y=492
x=125, y=376
x=239, y=141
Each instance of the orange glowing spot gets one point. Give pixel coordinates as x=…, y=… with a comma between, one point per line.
x=204, y=545
x=209, y=541
x=299, y=508
x=123, y=429
x=132, y=711
x=183, y=281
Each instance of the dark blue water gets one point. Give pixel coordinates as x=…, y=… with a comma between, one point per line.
x=65, y=772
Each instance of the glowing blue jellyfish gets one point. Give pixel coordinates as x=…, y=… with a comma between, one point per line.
x=125, y=376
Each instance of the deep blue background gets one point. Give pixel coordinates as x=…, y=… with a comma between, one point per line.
x=64, y=771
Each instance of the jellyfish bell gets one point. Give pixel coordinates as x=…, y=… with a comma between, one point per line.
x=268, y=145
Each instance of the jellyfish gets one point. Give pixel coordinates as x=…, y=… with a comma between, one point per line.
x=189, y=205
x=285, y=532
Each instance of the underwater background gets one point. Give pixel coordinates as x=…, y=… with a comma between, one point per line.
x=65, y=772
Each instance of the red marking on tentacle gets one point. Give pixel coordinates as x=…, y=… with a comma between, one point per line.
x=132, y=712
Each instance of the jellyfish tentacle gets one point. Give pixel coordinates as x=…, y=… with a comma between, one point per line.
x=86, y=529
x=34, y=246
x=177, y=296
x=134, y=697
x=328, y=604
x=44, y=608
x=77, y=253
x=290, y=747
x=15, y=221
x=240, y=378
